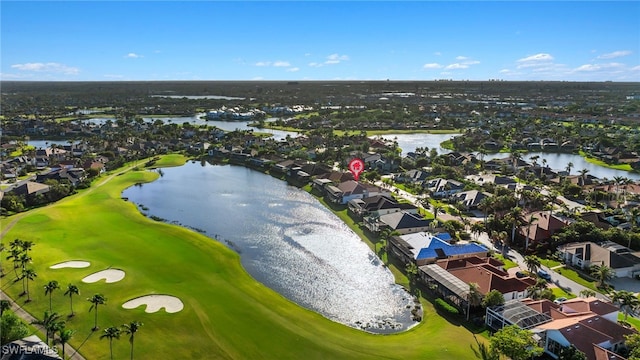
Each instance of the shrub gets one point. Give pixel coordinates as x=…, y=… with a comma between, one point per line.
x=443, y=305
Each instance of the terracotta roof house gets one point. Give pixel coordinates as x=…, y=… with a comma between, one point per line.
x=588, y=324
x=488, y=273
x=615, y=256
x=543, y=225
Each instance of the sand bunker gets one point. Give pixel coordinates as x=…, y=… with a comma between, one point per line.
x=110, y=275
x=71, y=264
x=154, y=303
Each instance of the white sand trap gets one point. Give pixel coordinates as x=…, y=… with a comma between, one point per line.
x=71, y=264
x=110, y=275
x=154, y=303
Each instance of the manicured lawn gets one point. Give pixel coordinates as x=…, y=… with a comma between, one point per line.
x=559, y=292
x=508, y=264
x=635, y=322
x=227, y=314
x=575, y=276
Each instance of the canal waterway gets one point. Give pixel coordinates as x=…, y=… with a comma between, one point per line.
x=286, y=239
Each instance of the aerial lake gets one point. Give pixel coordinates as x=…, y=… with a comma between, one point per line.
x=286, y=239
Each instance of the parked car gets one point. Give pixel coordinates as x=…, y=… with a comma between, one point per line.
x=560, y=300
x=520, y=274
x=545, y=275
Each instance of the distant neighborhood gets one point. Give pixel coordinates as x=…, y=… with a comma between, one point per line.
x=490, y=239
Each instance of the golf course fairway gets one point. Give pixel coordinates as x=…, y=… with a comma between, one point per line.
x=226, y=314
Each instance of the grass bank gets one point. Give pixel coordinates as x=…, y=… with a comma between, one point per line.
x=227, y=314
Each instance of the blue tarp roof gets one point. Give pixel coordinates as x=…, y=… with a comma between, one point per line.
x=448, y=249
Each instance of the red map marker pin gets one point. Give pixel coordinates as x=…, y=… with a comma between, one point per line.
x=356, y=166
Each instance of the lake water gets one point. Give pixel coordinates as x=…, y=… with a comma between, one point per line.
x=559, y=161
x=409, y=142
x=286, y=239
x=200, y=120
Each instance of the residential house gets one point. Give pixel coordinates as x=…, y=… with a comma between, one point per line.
x=540, y=226
x=378, y=205
x=411, y=176
x=443, y=187
x=615, y=256
x=29, y=189
x=471, y=199
x=351, y=189
x=588, y=324
x=402, y=222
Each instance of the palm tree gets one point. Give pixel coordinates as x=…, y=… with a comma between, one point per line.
x=29, y=275
x=112, y=332
x=64, y=335
x=474, y=297
x=96, y=300
x=48, y=321
x=587, y=293
x=131, y=329
x=48, y=289
x=602, y=273
x=583, y=174
x=535, y=291
x=533, y=263
x=569, y=167
x=72, y=290
x=628, y=301
x=4, y=305
x=515, y=218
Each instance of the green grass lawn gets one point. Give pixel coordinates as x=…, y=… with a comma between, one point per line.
x=227, y=314
x=508, y=264
x=575, y=276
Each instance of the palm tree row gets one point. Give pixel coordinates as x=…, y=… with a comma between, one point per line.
x=114, y=332
x=19, y=254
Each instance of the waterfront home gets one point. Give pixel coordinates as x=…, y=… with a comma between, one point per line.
x=378, y=205
x=615, y=256
x=402, y=222
x=351, y=189
x=439, y=249
x=588, y=324
x=489, y=274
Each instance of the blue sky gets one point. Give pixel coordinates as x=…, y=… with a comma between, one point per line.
x=324, y=40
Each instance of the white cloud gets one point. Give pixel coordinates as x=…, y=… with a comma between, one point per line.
x=542, y=57
x=432, y=66
x=505, y=71
x=133, y=56
x=263, y=63
x=437, y=53
x=281, y=64
x=51, y=67
x=461, y=58
x=315, y=64
x=258, y=78
x=599, y=67
x=113, y=76
x=635, y=68
x=456, y=66
x=293, y=69
x=336, y=59
x=615, y=54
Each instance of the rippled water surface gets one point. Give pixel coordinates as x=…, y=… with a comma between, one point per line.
x=287, y=240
